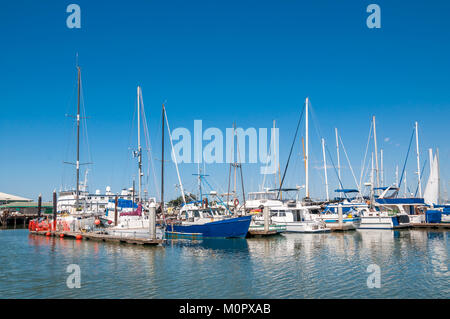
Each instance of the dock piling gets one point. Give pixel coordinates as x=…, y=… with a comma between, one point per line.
x=152, y=221
x=115, y=211
x=266, y=213
x=54, y=209
x=39, y=206
x=340, y=214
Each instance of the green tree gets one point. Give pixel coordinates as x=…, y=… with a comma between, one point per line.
x=179, y=200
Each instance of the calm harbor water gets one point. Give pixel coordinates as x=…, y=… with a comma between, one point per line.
x=413, y=264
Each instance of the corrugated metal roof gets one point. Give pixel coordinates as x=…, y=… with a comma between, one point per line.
x=11, y=198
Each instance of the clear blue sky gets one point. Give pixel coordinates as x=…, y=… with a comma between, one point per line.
x=220, y=61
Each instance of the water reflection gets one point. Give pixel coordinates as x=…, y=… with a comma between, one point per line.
x=414, y=264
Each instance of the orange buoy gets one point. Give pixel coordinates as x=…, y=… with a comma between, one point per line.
x=48, y=234
x=79, y=237
x=97, y=222
x=61, y=235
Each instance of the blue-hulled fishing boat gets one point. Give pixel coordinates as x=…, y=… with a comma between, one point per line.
x=209, y=227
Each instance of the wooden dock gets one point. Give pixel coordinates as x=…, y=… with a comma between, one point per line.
x=431, y=225
x=98, y=236
x=340, y=227
x=262, y=233
x=16, y=220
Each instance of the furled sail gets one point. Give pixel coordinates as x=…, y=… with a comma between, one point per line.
x=431, y=194
x=137, y=212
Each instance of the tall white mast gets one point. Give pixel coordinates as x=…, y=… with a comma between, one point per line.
x=418, y=160
x=372, y=179
x=174, y=157
x=139, y=141
x=381, y=167
x=325, y=168
x=439, y=177
x=376, y=151
x=396, y=175
x=337, y=150
x=406, y=187
x=307, y=151
x=77, y=194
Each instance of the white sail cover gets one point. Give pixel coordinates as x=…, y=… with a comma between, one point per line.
x=431, y=194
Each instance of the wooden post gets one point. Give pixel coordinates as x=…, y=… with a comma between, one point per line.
x=115, y=210
x=39, y=205
x=340, y=214
x=54, y=210
x=152, y=220
x=266, y=212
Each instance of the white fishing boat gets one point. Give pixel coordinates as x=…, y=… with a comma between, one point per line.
x=295, y=219
x=258, y=200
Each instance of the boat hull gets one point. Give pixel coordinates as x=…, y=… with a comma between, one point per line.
x=227, y=228
x=304, y=227
x=375, y=222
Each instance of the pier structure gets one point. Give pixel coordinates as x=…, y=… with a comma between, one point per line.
x=100, y=236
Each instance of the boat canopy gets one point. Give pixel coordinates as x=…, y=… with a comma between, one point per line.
x=124, y=203
x=400, y=201
x=346, y=190
x=193, y=202
x=283, y=190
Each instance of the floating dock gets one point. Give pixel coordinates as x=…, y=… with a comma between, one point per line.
x=97, y=236
x=431, y=225
x=262, y=233
x=340, y=227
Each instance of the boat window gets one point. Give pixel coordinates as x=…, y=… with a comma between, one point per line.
x=194, y=213
x=207, y=214
x=282, y=214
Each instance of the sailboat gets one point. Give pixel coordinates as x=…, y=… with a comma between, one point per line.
x=76, y=208
x=386, y=212
x=132, y=215
x=207, y=221
x=297, y=216
x=437, y=212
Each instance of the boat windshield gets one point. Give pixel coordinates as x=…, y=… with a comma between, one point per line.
x=216, y=212
x=193, y=213
x=279, y=213
x=207, y=214
x=262, y=195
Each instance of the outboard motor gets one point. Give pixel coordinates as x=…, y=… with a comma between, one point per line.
x=403, y=219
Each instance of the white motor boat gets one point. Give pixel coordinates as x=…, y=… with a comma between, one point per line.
x=295, y=219
x=377, y=219
x=350, y=214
